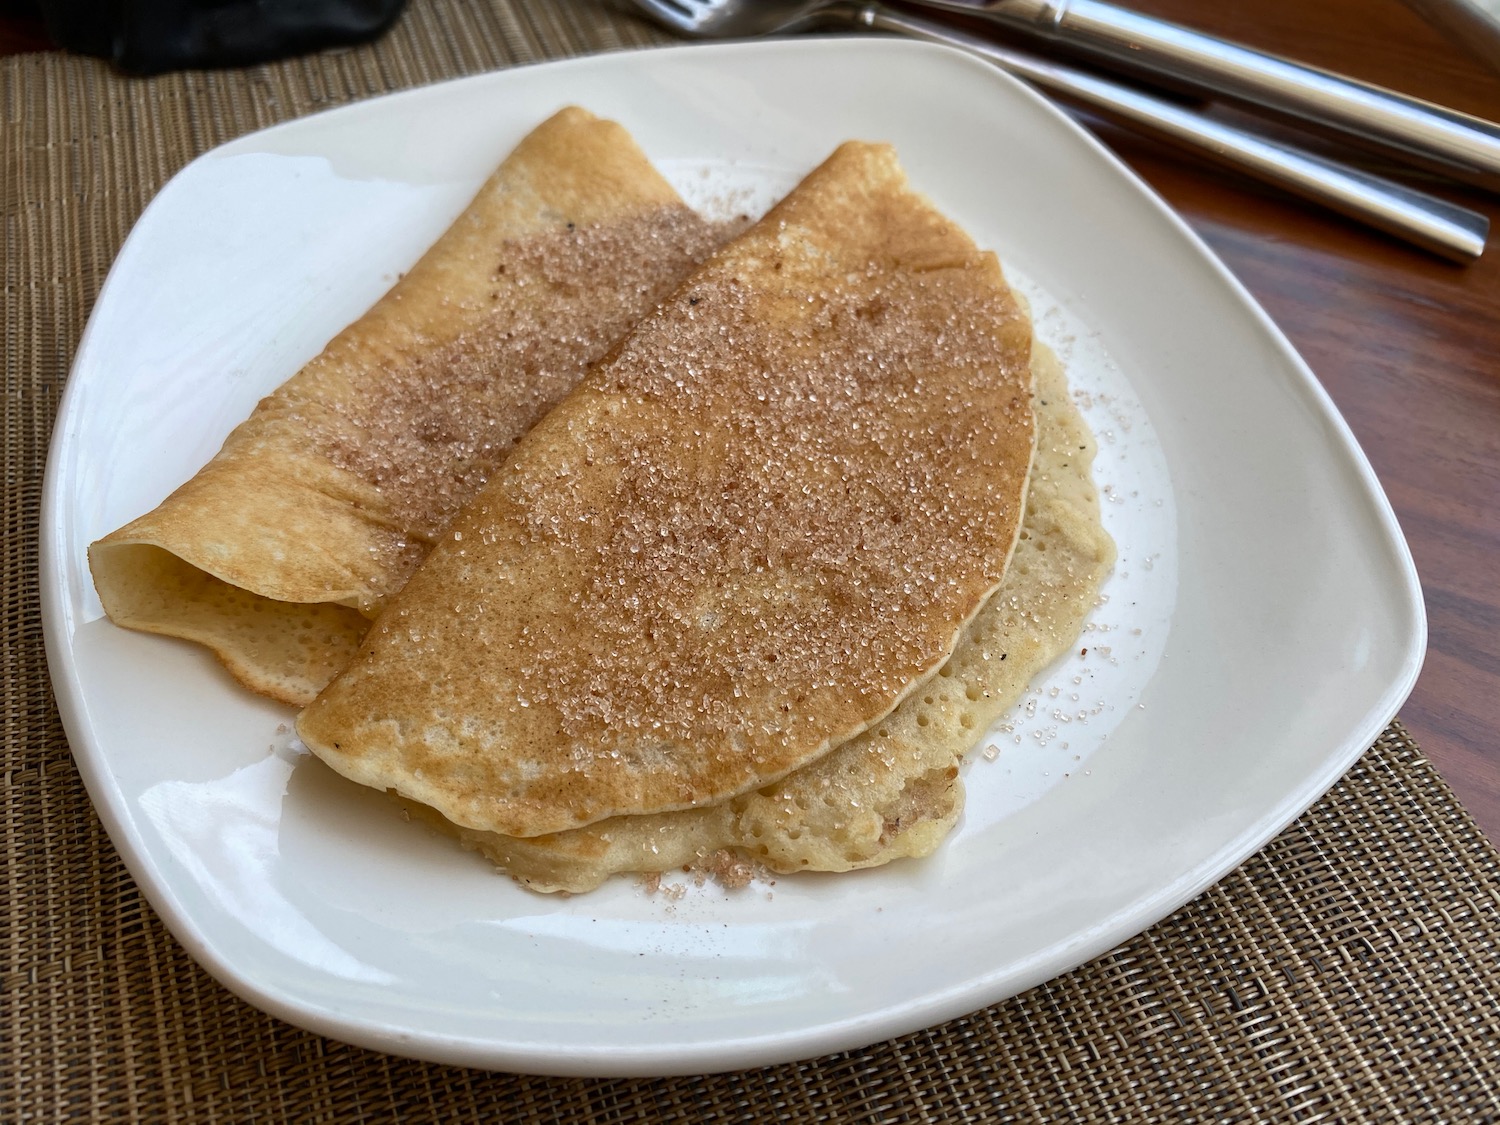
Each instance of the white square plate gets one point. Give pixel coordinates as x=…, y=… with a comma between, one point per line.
x=1262, y=625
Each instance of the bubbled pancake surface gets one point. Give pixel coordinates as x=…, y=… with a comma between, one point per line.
x=742, y=540
x=320, y=504
x=893, y=791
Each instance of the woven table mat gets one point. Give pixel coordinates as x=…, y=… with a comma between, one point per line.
x=1349, y=972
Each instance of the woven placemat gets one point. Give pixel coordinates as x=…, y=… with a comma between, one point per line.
x=1349, y=972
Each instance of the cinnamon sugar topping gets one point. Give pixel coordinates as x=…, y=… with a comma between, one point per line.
x=448, y=416
x=749, y=553
x=757, y=526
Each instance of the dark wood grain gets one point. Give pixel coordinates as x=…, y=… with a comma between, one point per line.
x=1408, y=346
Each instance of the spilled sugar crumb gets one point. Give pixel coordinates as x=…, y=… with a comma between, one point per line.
x=725, y=868
x=728, y=870
x=651, y=883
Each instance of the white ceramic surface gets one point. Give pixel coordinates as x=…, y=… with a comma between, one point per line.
x=1263, y=624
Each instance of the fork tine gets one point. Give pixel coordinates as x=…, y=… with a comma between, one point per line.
x=664, y=12
x=682, y=16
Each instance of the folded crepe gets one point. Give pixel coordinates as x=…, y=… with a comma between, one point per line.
x=893, y=791
x=750, y=533
x=317, y=508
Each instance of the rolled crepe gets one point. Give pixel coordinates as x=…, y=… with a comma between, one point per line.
x=317, y=508
x=741, y=541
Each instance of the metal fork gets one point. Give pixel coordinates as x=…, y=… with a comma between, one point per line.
x=1454, y=232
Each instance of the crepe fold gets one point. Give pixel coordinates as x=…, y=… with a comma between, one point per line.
x=894, y=791
x=278, y=553
x=747, y=536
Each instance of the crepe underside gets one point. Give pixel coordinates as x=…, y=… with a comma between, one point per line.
x=278, y=552
x=893, y=791
x=744, y=538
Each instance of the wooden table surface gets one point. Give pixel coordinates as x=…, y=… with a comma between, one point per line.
x=1407, y=345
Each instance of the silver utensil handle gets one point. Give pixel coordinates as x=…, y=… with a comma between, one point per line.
x=1441, y=139
x=1454, y=232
